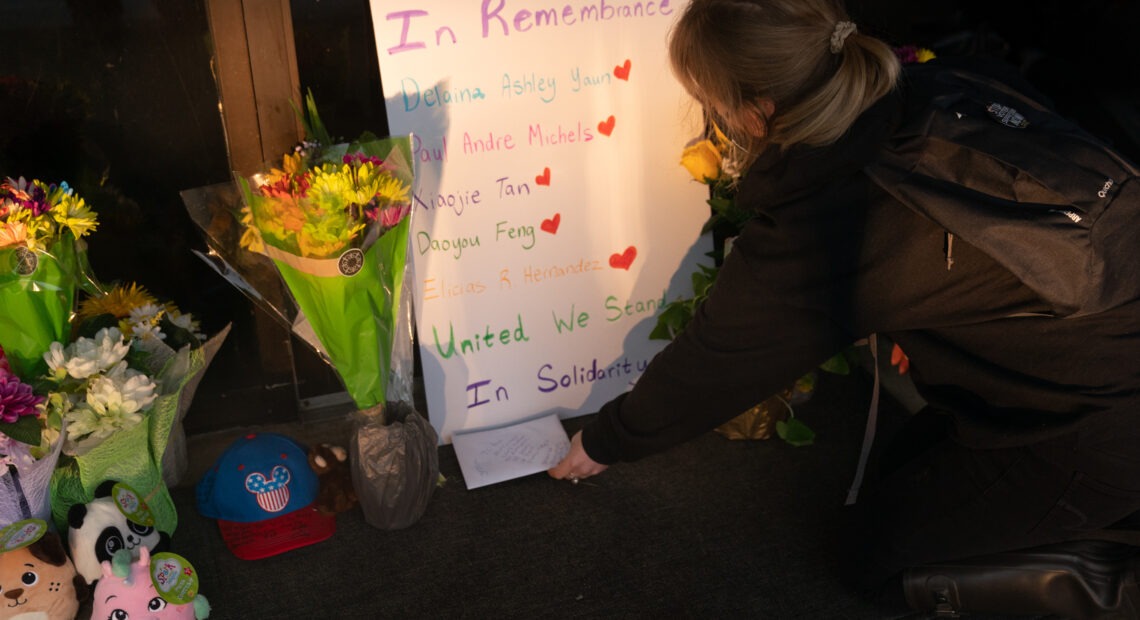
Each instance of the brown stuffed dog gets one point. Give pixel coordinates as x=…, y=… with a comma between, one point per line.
x=39, y=581
x=336, y=493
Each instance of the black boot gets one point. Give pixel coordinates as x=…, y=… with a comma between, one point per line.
x=1079, y=579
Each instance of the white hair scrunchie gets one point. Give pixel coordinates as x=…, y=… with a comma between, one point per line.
x=839, y=35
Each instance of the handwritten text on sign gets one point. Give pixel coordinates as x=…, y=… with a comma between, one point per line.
x=554, y=220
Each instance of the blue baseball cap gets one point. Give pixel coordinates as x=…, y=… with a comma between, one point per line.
x=262, y=492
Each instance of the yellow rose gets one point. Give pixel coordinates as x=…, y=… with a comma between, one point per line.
x=702, y=160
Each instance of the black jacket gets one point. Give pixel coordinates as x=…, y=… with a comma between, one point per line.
x=829, y=259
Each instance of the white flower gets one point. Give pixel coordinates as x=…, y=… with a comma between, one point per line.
x=115, y=401
x=144, y=330
x=148, y=313
x=90, y=356
x=123, y=391
x=56, y=359
x=86, y=428
x=186, y=322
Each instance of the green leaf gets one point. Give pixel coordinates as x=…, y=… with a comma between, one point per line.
x=795, y=432
x=838, y=365
x=24, y=430
x=673, y=318
x=711, y=223
x=177, y=337
x=721, y=205
x=311, y=121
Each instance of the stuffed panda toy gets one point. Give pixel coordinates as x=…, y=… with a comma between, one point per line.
x=98, y=529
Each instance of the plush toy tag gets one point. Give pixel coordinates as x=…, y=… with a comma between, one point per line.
x=131, y=504
x=21, y=534
x=174, y=578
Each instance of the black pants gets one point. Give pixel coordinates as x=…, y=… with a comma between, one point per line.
x=937, y=500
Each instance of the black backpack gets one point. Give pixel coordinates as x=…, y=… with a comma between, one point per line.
x=1007, y=174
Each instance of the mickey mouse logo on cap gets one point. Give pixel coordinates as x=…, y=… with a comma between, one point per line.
x=262, y=492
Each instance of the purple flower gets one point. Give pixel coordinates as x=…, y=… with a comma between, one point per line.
x=907, y=54
x=361, y=158
x=16, y=400
x=28, y=194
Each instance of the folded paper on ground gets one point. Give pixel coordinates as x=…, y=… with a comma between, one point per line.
x=508, y=451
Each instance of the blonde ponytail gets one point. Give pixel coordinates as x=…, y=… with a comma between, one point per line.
x=729, y=54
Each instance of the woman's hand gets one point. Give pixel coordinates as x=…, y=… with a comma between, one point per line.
x=576, y=465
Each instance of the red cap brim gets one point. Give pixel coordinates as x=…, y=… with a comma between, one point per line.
x=261, y=539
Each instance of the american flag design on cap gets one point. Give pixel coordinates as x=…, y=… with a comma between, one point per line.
x=272, y=493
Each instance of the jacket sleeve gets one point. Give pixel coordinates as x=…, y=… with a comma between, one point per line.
x=767, y=322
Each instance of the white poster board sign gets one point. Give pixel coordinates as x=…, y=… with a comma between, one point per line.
x=553, y=218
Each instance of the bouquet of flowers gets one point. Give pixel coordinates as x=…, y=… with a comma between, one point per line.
x=330, y=226
x=120, y=389
x=25, y=465
x=173, y=344
x=334, y=219
x=42, y=263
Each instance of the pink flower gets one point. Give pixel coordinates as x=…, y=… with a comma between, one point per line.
x=16, y=400
x=5, y=369
x=391, y=215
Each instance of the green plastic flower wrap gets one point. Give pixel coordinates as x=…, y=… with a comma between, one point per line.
x=131, y=454
x=322, y=244
x=336, y=225
x=43, y=262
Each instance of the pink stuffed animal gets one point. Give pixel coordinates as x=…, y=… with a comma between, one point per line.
x=126, y=591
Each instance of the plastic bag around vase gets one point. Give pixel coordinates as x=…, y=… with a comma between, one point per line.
x=395, y=464
x=25, y=485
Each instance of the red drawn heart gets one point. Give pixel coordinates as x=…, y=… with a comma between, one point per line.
x=607, y=126
x=621, y=72
x=623, y=260
x=551, y=225
x=544, y=178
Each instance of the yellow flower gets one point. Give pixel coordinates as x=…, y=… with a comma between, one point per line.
x=702, y=160
x=250, y=236
x=118, y=302
x=924, y=54
x=72, y=212
x=290, y=167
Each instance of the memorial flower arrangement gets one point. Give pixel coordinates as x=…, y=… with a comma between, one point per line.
x=26, y=465
x=116, y=394
x=42, y=265
x=334, y=218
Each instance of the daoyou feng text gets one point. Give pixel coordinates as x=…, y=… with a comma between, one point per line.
x=550, y=378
